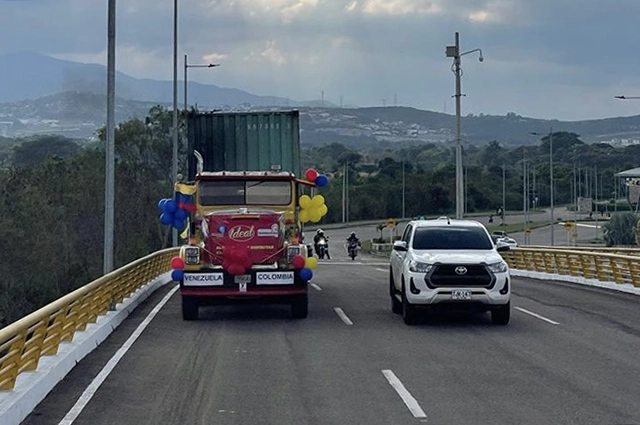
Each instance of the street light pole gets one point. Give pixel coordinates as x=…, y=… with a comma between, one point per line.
x=454, y=52
x=109, y=192
x=174, y=135
x=552, y=184
x=504, y=192
x=187, y=66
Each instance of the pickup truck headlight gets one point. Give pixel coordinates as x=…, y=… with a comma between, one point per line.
x=499, y=267
x=192, y=255
x=418, y=267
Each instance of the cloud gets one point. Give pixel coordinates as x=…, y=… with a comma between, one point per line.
x=214, y=57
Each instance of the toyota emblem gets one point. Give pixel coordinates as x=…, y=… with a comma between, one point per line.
x=460, y=270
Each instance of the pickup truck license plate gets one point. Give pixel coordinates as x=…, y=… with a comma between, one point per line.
x=461, y=294
x=242, y=278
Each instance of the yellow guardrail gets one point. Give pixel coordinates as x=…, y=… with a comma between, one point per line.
x=603, y=266
x=24, y=342
x=602, y=249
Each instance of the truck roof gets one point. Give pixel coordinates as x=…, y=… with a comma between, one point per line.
x=220, y=175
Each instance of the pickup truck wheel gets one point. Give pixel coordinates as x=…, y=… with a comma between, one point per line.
x=189, y=308
x=501, y=315
x=300, y=307
x=409, y=313
x=396, y=306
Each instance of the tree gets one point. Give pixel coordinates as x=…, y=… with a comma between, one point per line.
x=36, y=150
x=621, y=229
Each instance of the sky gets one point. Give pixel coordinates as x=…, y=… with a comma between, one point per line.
x=553, y=59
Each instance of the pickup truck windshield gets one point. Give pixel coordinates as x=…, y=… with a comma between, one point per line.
x=451, y=237
x=243, y=192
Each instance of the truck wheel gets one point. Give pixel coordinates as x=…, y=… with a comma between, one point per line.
x=501, y=315
x=189, y=308
x=396, y=306
x=409, y=313
x=300, y=307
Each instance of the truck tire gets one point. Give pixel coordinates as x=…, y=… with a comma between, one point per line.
x=189, y=308
x=501, y=315
x=396, y=306
x=300, y=307
x=409, y=312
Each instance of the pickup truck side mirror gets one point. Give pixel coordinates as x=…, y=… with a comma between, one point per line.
x=400, y=246
x=501, y=247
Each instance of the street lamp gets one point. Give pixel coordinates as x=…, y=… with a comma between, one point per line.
x=551, y=182
x=174, y=130
x=623, y=97
x=454, y=52
x=109, y=189
x=187, y=66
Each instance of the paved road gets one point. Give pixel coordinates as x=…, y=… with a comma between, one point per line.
x=255, y=365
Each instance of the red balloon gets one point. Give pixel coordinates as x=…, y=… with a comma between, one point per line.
x=298, y=261
x=311, y=175
x=177, y=263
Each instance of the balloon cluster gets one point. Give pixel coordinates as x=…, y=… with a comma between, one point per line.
x=177, y=264
x=312, y=209
x=236, y=261
x=305, y=265
x=172, y=215
x=320, y=180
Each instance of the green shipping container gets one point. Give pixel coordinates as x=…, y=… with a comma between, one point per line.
x=244, y=141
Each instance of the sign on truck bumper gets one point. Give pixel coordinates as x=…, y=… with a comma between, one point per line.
x=254, y=283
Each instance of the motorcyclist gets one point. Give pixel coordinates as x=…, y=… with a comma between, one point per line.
x=353, y=239
x=316, y=240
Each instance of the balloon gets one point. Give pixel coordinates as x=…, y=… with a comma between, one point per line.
x=317, y=201
x=324, y=210
x=304, y=201
x=311, y=174
x=304, y=216
x=161, y=204
x=311, y=263
x=177, y=263
x=166, y=218
x=322, y=180
x=306, y=274
x=180, y=214
x=177, y=275
x=178, y=224
x=298, y=261
x=170, y=206
x=315, y=215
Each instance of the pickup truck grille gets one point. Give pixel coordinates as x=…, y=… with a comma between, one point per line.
x=445, y=275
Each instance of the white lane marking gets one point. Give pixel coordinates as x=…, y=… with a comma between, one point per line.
x=536, y=315
x=382, y=270
x=343, y=316
x=316, y=287
x=409, y=400
x=88, y=393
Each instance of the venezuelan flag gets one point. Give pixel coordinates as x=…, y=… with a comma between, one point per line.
x=185, y=196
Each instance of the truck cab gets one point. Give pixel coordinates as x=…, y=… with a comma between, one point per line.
x=244, y=235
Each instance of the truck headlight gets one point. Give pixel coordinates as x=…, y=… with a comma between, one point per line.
x=418, y=267
x=192, y=255
x=499, y=267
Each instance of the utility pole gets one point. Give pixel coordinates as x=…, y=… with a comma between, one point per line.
x=344, y=192
x=109, y=192
x=454, y=52
x=552, y=183
x=174, y=163
x=403, y=189
x=504, y=192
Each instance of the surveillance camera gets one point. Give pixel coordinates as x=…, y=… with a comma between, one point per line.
x=481, y=59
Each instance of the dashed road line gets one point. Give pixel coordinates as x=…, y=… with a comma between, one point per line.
x=382, y=270
x=316, y=287
x=531, y=313
x=343, y=316
x=411, y=403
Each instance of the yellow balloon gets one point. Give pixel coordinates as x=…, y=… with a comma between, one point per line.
x=317, y=201
x=304, y=216
x=324, y=210
x=304, y=201
x=315, y=215
x=311, y=262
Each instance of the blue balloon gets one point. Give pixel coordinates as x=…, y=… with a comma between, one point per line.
x=170, y=206
x=179, y=224
x=322, y=180
x=177, y=275
x=166, y=218
x=306, y=274
x=161, y=204
x=181, y=214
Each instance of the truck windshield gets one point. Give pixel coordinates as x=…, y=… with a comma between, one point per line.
x=243, y=192
x=451, y=237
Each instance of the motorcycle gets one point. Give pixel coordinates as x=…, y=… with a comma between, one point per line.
x=352, y=249
x=322, y=249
